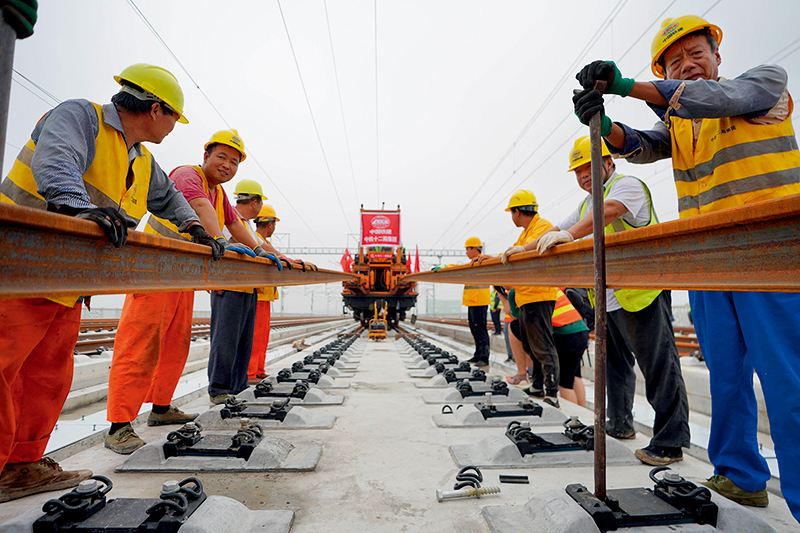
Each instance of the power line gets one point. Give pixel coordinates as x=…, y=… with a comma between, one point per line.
x=569, y=71
x=197, y=86
x=377, y=131
x=776, y=54
x=49, y=104
x=313, y=120
x=647, y=30
x=710, y=8
x=341, y=106
x=42, y=89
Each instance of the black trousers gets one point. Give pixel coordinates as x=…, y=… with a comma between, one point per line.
x=648, y=337
x=498, y=326
x=536, y=327
x=477, y=326
x=233, y=318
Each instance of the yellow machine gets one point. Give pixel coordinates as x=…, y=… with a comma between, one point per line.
x=378, y=325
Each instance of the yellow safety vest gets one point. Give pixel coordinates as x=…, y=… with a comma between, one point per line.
x=105, y=180
x=476, y=295
x=525, y=295
x=734, y=162
x=630, y=299
x=265, y=294
x=165, y=228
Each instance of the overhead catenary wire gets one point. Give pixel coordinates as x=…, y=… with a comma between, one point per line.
x=152, y=29
x=555, y=91
x=313, y=120
x=377, y=122
x=341, y=105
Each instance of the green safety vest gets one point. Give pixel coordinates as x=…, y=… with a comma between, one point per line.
x=631, y=300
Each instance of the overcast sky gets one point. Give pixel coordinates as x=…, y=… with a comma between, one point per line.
x=470, y=100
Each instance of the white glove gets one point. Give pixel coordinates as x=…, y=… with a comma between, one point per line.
x=511, y=251
x=548, y=240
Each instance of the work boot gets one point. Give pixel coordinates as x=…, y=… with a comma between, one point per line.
x=23, y=479
x=622, y=436
x=258, y=379
x=727, y=488
x=552, y=401
x=474, y=360
x=534, y=393
x=125, y=441
x=658, y=456
x=172, y=416
x=483, y=361
x=219, y=399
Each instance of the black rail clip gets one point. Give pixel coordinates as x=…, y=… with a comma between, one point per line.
x=673, y=500
x=268, y=389
x=234, y=408
x=523, y=408
x=189, y=441
x=85, y=509
x=497, y=387
x=286, y=375
x=528, y=442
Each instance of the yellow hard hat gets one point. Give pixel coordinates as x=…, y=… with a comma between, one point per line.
x=673, y=29
x=158, y=81
x=249, y=188
x=581, y=153
x=522, y=198
x=268, y=212
x=229, y=138
x=473, y=242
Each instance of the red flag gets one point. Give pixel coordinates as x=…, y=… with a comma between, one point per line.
x=416, y=261
x=346, y=261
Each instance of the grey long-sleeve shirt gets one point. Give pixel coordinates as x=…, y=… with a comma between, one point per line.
x=65, y=149
x=758, y=94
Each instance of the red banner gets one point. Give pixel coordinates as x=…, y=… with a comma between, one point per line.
x=346, y=261
x=380, y=228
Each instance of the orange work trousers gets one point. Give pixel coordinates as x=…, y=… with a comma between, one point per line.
x=150, y=352
x=36, y=363
x=258, y=357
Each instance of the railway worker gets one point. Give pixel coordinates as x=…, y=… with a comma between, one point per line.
x=638, y=320
x=155, y=330
x=477, y=300
x=265, y=221
x=494, y=310
x=536, y=304
x=84, y=160
x=732, y=144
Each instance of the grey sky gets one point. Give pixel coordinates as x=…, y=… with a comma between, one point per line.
x=457, y=83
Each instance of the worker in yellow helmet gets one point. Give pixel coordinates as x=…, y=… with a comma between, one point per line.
x=732, y=144
x=536, y=304
x=477, y=299
x=639, y=321
x=84, y=160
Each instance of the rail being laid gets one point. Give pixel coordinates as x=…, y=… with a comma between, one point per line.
x=749, y=248
x=45, y=254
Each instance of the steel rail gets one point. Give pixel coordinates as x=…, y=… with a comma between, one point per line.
x=45, y=254
x=750, y=248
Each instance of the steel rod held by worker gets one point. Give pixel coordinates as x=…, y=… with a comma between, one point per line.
x=7, y=43
x=600, y=303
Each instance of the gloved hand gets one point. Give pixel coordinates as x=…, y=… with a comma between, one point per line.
x=308, y=266
x=436, y=268
x=260, y=252
x=235, y=246
x=550, y=239
x=20, y=15
x=114, y=224
x=516, y=249
x=200, y=236
x=589, y=102
x=608, y=72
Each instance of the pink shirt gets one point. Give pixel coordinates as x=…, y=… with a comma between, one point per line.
x=188, y=181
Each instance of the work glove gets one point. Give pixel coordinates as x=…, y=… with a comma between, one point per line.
x=311, y=267
x=588, y=103
x=516, y=249
x=260, y=252
x=606, y=71
x=114, y=224
x=20, y=15
x=235, y=246
x=550, y=239
x=436, y=268
x=200, y=236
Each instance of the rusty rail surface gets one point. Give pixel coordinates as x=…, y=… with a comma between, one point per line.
x=46, y=254
x=749, y=248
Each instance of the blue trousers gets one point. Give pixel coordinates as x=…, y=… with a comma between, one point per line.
x=740, y=332
x=233, y=318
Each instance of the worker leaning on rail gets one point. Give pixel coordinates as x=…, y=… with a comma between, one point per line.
x=155, y=329
x=477, y=299
x=639, y=321
x=732, y=144
x=536, y=304
x=85, y=160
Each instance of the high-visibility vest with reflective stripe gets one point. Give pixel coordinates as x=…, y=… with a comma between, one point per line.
x=104, y=180
x=265, y=294
x=564, y=313
x=165, y=228
x=475, y=295
x=530, y=294
x=630, y=299
x=735, y=162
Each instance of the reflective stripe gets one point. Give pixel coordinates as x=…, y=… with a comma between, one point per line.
x=476, y=286
x=741, y=186
x=564, y=313
x=19, y=196
x=735, y=153
x=159, y=228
